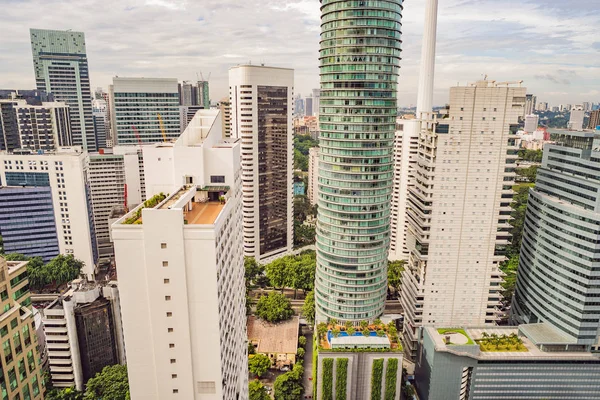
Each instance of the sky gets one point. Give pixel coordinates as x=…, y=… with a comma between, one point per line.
x=552, y=45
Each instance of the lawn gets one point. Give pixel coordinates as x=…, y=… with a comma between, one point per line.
x=442, y=331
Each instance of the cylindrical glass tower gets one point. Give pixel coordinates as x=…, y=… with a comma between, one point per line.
x=359, y=62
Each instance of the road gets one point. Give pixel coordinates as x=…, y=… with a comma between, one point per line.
x=308, y=363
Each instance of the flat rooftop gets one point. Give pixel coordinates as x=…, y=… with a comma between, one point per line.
x=14, y=266
x=279, y=338
x=204, y=213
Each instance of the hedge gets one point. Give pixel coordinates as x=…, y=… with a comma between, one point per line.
x=315, y=364
x=391, y=374
x=376, y=377
x=327, y=384
x=341, y=378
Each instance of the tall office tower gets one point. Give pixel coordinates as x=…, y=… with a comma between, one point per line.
x=531, y=123
x=106, y=177
x=185, y=258
x=203, y=94
x=84, y=333
x=61, y=68
x=587, y=106
x=26, y=232
x=406, y=139
x=313, y=175
x=356, y=164
x=316, y=93
x=542, y=106
x=530, y=101
x=64, y=173
x=225, y=108
x=308, y=106
x=576, y=118
x=144, y=110
x=459, y=225
x=101, y=122
x=556, y=278
x=34, y=127
x=594, y=120
x=185, y=94
x=22, y=374
x=261, y=115
x=299, y=106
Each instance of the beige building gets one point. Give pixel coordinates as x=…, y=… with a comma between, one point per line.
x=279, y=341
x=459, y=210
x=21, y=377
x=313, y=175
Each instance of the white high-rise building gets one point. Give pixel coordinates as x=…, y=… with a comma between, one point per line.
x=576, y=118
x=135, y=177
x=316, y=101
x=181, y=270
x=542, y=106
x=313, y=175
x=84, y=333
x=531, y=123
x=261, y=116
x=64, y=171
x=530, y=103
x=406, y=138
x=460, y=210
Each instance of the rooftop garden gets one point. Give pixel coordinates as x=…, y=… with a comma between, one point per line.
x=334, y=329
x=136, y=217
x=496, y=342
x=455, y=336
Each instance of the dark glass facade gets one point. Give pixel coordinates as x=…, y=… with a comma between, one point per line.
x=27, y=223
x=273, y=166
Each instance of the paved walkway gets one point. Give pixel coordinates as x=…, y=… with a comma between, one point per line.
x=308, y=363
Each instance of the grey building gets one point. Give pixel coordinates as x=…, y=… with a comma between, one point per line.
x=144, y=110
x=61, y=68
x=27, y=223
x=532, y=362
x=558, y=276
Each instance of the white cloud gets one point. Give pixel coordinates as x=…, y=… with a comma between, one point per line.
x=508, y=40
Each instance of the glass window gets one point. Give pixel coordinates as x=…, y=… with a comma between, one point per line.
x=35, y=386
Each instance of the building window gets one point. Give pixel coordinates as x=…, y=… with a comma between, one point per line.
x=163, y=245
x=169, y=314
x=173, y=376
x=166, y=281
x=168, y=298
x=217, y=179
x=170, y=330
x=165, y=263
x=175, y=391
x=173, y=361
x=171, y=345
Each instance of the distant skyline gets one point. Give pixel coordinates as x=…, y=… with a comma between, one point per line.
x=551, y=45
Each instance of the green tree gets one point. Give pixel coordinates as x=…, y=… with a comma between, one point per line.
x=510, y=267
x=62, y=269
x=274, y=308
x=289, y=385
x=64, y=394
x=277, y=271
x=252, y=270
x=302, y=340
x=308, y=309
x=395, y=269
x=251, y=348
x=301, y=352
x=1, y=245
x=530, y=173
x=259, y=364
x=257, y=391
x=111, y=383
x=300, y=160
x=408, y=390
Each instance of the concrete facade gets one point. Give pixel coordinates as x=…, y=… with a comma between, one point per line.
x=313, y=175
x=261, y=117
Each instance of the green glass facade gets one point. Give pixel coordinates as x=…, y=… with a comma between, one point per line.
x=359, y=63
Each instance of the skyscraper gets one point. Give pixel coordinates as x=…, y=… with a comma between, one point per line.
x=557, y=278
x=530, y=101
x=594, y=119
x=203, y=94
x=356, y=165
x=459, y=210
x=181, y=271
x=261, y=116
x=61, y=68
x=576, y=118
x=144, y=110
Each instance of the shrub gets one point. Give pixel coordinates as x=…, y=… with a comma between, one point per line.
x=341, y=377
x=327, y=384
x=366, y=332
x=302, y=341
x=376, y=377
x=391, y=374
x=301, y=352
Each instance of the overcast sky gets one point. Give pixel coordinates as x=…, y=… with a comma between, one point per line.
x=553, y=45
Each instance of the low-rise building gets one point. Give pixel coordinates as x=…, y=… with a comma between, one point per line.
x=84, y=333
x=279, y=341
x=21, y=373
x=534, y=361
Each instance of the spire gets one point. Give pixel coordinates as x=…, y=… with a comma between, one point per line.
x=426, y=75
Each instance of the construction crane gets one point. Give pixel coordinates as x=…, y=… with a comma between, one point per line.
x=162, y=127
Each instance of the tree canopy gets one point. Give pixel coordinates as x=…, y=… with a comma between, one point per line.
x=274, y=307
x=289, y=385
x=296, y=272
x=111, y=383
x=530, y=155
x=257, y=391
x=308, y=309
x=64, y=394
x=258, y=364
x=395, y=269
x=61, y=269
